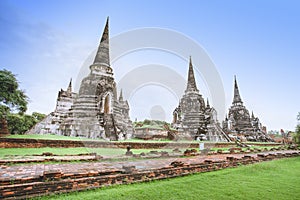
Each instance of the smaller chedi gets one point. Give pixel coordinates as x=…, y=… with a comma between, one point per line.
x=239, y=123
x=95, y=111
x=192, y=118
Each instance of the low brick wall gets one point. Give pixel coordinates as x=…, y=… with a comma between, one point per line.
x=56, y=182
x=38, y=143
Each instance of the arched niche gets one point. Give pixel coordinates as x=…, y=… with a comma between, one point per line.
x=106, y=103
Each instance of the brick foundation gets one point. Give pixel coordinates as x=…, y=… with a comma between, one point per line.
x=38, y=143
x=56, y=182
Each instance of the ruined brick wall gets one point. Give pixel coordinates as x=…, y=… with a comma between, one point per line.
x=38, y=143
x=55, y=181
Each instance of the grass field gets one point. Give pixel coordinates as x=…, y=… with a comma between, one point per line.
x=4, y=152
x=244, y=148
x=48, y=137
x=58, y=151
x=59, y=137
x=279, y=179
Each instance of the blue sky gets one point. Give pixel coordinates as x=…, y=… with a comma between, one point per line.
x=46, y=42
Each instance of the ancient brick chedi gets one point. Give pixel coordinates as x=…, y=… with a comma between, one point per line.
x=96, y=111
x=195, y=119
x=239, y=123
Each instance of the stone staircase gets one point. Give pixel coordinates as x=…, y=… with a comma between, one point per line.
x=217, y=130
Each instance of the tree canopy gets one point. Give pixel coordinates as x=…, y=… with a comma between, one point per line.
x=13, y=105
x=11, y=97
x=297, y=132
x=19, y=124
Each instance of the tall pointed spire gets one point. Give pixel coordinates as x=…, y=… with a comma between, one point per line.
x=207, y=103
x=191, y=84
x=252, y=115
x=236, y=95
x=121, y=95
x=69, y=90
x=102, y=55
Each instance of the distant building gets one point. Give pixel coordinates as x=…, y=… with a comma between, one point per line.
x=96, y=111
x=195, y=119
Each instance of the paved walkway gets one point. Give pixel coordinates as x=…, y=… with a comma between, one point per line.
x=36, y=170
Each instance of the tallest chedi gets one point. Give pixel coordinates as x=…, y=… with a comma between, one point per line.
x=96, y=111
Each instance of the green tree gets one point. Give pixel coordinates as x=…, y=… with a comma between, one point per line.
x=147, y=122
x=19, y=124
x=15, y=123
x=296, y=137
x=12, y=98
x=38, y=116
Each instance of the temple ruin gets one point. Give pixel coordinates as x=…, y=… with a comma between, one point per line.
x=96, y=111
x=192, y=118
x=240, y=124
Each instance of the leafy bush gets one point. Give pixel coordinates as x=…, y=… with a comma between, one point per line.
x=296, y=136
x=19, y=124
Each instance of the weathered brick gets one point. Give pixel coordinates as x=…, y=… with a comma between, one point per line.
x=9, y=193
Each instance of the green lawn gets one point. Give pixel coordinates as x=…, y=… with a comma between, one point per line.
x=59, y=137
x=279, y=179
x=58, y=151
x=244, y=148
x=67, y=151
x=48, y=137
